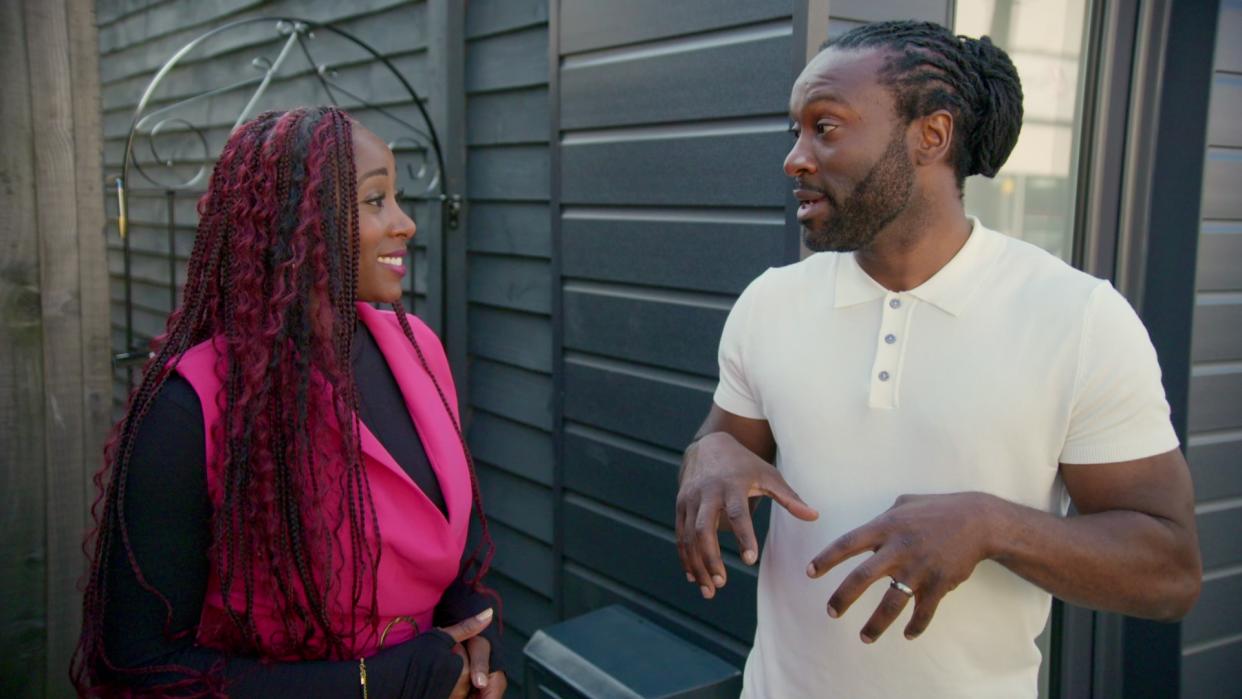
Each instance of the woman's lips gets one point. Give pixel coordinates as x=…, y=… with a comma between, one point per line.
x=395, y=263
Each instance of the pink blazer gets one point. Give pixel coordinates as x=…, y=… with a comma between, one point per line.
x=421, y=549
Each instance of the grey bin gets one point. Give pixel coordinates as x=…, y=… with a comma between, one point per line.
x=612, y=653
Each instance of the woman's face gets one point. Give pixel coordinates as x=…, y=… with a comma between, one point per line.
x=383, y=228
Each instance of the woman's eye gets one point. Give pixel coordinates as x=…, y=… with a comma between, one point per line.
x=377, y=201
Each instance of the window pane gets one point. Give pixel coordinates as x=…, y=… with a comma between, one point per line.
x=1032, y=197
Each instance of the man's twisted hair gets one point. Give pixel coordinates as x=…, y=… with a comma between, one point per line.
x=931, y=69
x=271, y=281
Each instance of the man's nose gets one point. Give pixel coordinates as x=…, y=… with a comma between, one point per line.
x=798, y=162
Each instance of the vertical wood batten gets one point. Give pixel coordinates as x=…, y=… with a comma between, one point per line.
x=51, y=100
x=22, y=547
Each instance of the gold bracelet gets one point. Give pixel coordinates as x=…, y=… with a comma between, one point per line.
x=362, y=662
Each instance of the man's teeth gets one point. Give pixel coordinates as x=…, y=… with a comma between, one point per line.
x=394, y=261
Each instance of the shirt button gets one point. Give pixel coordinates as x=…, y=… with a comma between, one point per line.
x=884, y=376
x=890, y=339
x=895, y=303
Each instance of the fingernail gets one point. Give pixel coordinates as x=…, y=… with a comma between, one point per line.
x=689, y=577
x=865, y=638
x=911, y=637
x=718, y=580
x=810, y=570
x=832, y=612
x=749, y=557
x=484, y=615
x=707, y=591
x=480, y=680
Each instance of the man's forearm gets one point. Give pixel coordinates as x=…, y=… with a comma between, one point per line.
x=1118, y=560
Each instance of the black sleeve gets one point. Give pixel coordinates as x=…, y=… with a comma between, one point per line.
x=168, y=520
x=460, y=602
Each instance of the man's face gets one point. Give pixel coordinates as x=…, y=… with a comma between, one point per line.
x=850, y=161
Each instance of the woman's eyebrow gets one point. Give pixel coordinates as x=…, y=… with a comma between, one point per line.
x=377, y=171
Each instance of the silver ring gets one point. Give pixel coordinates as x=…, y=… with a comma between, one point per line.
x=901, y=587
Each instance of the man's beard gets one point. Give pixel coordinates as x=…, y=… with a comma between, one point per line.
x=879, y=198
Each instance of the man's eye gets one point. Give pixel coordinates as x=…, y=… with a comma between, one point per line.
x=794, y=131
x=824, y=127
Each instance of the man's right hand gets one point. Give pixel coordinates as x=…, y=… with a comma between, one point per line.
x=720, y=474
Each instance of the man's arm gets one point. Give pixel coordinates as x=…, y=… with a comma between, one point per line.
x=1132, y=548
x=727, y=464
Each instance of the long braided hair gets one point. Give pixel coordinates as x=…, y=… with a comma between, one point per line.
x=272, y=282
x=931, y=69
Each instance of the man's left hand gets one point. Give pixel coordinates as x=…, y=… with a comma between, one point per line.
x=928, y=543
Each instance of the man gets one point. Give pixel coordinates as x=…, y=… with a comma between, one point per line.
x=929, y=391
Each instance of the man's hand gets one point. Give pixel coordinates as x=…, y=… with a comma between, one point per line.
x=929, y=543
x=719, y=474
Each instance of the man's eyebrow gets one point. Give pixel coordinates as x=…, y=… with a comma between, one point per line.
x=372, y=173
x=823, y=96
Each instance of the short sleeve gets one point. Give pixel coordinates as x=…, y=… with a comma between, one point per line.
x=1119, y=408
x=734, y=391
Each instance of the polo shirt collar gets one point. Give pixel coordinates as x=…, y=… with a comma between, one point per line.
x=948, y=289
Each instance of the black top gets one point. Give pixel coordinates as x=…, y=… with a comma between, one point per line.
x=168, y=514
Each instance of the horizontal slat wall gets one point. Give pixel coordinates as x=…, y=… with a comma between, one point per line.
x=137, y=37
x=509, y=293
x=672, y=199
x=1212, y=633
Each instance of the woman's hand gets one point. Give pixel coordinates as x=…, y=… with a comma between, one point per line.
x=488, y=685
x=465, y=632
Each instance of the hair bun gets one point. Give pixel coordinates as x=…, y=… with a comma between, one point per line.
x=997, y=105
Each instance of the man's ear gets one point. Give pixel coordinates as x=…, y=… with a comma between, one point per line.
x=935, y=138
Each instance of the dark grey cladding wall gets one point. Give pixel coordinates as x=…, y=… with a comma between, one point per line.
x=509, y=291
x=137, y=36
x=671, y=200
x=1212, y=634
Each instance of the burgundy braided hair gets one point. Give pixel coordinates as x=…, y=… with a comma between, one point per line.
x=272, y=281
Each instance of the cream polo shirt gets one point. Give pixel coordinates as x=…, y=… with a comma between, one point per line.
x=985, y=377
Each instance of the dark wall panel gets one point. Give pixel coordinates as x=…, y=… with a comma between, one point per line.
x=1218, y=538
x=510, y=282
x=1220, y=247
x=513, y=59
x=1217, y=614
x=518, y=394
x=878, y=10
x=593, y=24
x=1221, y=176
x=731, y=169
x=645, y=558
x=1212, y=673
x=670, y=86
x=673, y=333
x=1216, y=466
x=1224, y=127
x=1214, y=403
x=1228, y=48
x=718, y=255
x=511, y=228
x=520, y=339
x=518, y=448
x=646, y=404
x=1218, y=331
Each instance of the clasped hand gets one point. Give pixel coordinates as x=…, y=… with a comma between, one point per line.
x=930, y=543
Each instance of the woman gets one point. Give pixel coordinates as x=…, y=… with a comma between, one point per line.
x=285, y=505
